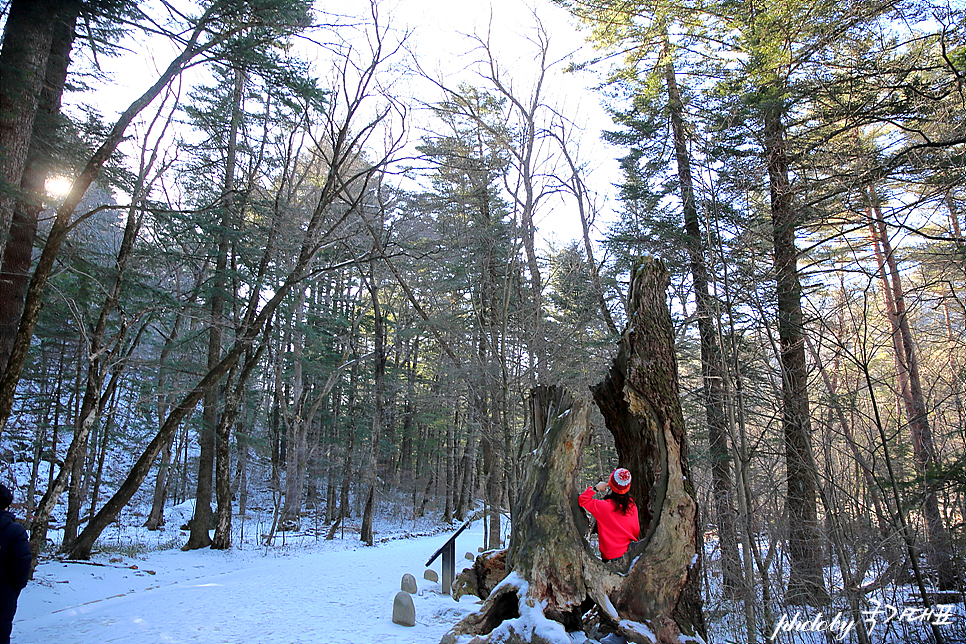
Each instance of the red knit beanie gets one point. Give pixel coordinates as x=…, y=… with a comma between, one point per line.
x=620, y=480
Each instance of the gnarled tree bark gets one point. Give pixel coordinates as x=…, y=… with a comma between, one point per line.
x=556, y=580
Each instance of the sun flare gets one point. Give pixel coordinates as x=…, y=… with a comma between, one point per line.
x=58, y=186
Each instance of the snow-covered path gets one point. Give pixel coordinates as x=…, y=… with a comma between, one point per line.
x=339, y=593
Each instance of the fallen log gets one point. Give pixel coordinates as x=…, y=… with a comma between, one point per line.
x=487, y=571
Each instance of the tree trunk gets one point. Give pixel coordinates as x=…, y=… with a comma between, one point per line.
x=723, y=492
x=207, y=440
x=467, y=467
x=450, y=468
x=15, y=270
x=233, y=399
x=27, y=38
x=493, y=467
x=939, y=551
x=343, y=488
x=102, y=454
x=427, y=493
x=155, y=519
x=58, y=408
x=222, y=538
x=410, y=426
x=370, y=474
x=296, y=424
x=39, y=439
x=241, y=474
x=75, y=496
x=652, y=593
x=805, y=584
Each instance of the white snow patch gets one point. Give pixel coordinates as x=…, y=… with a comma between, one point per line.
x=513, y=579
x=608, y=607
x=336, y=592
x=614, y=638
x=639, y=629
x=532, y=620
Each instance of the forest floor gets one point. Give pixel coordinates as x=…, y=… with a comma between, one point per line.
x=323, y=592
x=140, y=588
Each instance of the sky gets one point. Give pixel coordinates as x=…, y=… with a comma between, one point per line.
x=440, y=35
x=438, y=40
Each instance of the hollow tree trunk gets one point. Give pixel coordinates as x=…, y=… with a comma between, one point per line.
x=652, y=594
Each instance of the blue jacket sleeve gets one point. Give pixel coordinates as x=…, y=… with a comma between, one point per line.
x=15, y=546
x=20, y=559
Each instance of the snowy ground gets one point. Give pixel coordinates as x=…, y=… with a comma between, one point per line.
x=141, y=589
x=337, y=592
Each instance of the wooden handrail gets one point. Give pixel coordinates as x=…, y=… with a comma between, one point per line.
x=448, y=550
x=451, y=540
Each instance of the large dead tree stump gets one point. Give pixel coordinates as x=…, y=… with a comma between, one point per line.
x=487, y=571
x=556, y=582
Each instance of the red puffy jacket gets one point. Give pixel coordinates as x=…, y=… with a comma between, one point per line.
x=616, y=530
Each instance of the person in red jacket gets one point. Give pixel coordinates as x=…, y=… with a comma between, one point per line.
x=617, y=520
